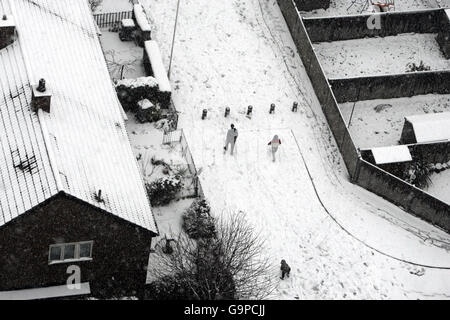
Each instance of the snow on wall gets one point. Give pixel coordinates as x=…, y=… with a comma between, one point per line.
x=158, y=68
x=141, y=17
x=138, y=82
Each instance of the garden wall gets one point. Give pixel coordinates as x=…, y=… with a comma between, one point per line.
x=443, y=37
x=356, y=27
x=321, y=85
x=363, y=173
x=403, y=194
x=391, y=86
x=308, y=5
x=432, y=152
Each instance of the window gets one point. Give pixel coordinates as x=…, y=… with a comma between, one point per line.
x=69, y=252
x=85, y=250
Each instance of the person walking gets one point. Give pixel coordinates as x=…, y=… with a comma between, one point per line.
x=232, y=136
x=275, y=143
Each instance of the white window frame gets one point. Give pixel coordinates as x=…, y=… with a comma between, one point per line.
x=76, y=253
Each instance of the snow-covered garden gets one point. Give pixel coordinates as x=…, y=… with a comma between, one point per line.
x=376, y=56
x=341, y=241
x=379, y=123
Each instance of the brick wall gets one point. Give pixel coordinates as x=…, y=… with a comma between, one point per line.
x=391, y=86
x=120, y=249
x=308, y=5
x=356, y=27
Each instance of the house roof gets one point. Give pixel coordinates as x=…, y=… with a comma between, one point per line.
x=81, y=146
x=431, y=127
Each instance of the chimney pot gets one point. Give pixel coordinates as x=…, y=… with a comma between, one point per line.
x=41, y=98
x=41, y=87
x=7, y=31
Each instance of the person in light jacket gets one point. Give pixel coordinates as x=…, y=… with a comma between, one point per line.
x=232, y=136
x=275, y=143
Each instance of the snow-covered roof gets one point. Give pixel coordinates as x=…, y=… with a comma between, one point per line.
x=46, y=293
x=128, y=23
x=141, y=17
x=9, y=22
x=159, y=71
x=81, y=146
x=431, y=127
x=392, y=154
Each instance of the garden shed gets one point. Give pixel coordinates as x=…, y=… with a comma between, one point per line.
x=432, y=127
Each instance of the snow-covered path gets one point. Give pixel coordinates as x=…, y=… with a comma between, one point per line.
x=340, y=241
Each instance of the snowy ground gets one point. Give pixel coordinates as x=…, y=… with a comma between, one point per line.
x=345, y=7
x=146, y=141
x=122, y=53
x=379, y=123
x=440, y=186
x=114, y=6
x=374, y=56
x=341, y=242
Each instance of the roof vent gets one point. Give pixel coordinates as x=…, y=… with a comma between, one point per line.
x=7, y=30
x=41, y=97
x=98, y=197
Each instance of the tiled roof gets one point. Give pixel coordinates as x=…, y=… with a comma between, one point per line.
x=84, y=144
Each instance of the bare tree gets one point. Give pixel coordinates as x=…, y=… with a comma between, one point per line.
x=117, y=68
x=230, y=266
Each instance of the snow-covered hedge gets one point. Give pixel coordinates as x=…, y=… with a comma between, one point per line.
x=154, y=66
x=141, y=18
x=162, y=191
x=131, y=91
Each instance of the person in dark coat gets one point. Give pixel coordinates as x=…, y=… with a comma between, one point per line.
x=285, y=269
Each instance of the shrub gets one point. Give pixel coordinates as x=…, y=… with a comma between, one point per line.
x=167, y=288
x=197, y=220
x=412, y=67
x=418, y=174
x=231, y=265
x=162, y=191
x=147, y=112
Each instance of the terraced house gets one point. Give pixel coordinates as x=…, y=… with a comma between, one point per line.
x=71, y=195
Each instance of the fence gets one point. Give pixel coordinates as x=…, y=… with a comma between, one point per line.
x=105, y=20
x=177, y=136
